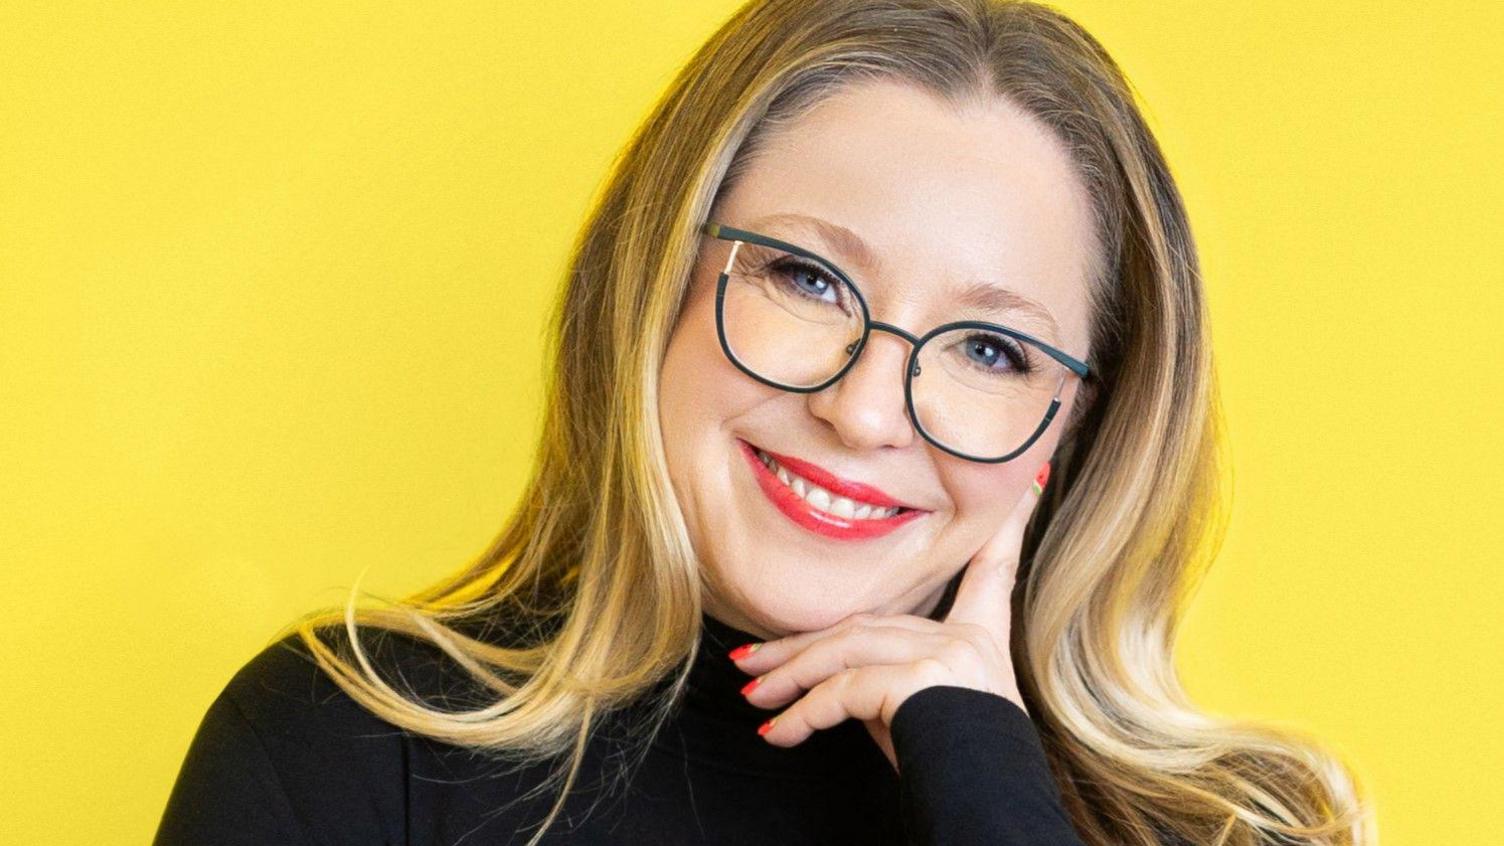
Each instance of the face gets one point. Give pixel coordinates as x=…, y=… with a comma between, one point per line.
x=941, y=200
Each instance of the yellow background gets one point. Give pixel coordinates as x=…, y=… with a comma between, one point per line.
x=272, y=283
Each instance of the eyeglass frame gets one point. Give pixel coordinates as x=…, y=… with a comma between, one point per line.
x=854, y=351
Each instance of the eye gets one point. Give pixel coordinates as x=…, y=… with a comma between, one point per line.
x=808, y=279
x=996, y=354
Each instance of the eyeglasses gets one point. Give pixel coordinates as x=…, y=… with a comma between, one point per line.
x=793, y=320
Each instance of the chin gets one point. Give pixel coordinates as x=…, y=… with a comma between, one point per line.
x=789, y=596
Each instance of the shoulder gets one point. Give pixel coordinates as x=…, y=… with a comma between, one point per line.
x=306, y=726
x=286, y=695
x=284, y=755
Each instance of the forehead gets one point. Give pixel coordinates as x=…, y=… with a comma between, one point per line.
x=944, y=199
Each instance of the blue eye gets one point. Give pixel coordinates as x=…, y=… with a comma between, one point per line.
x=987, y=349
x=809, y=279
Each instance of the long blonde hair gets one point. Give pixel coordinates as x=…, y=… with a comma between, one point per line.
x=594, y=575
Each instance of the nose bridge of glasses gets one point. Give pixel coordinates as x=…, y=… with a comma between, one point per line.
x=879, y=326
x=894, y=330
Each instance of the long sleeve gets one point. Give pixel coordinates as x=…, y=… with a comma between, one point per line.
x=972, y=770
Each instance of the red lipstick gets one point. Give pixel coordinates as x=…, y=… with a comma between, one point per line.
x=797, y=509
x=835, y=484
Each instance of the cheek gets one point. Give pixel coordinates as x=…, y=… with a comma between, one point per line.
x=681, y=413
x=702, y=400
x=701, y=393
x=680, y=418
x=700, y=396
x=686, y=362
x=984, y=495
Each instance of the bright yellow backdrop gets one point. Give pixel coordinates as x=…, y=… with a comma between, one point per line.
x=272, y=283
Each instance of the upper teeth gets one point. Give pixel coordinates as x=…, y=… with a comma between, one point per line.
x=823, y=499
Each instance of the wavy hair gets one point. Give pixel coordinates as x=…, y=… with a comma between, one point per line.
x=594, y=576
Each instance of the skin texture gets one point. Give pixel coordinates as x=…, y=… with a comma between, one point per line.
x=943, y=198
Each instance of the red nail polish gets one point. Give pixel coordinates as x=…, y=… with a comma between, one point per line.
x=765, y=727
x=743, y=651
x=751, y=685
x=1044, y=476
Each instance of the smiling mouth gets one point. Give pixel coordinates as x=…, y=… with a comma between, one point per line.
x=836, y=508
x=846, y=508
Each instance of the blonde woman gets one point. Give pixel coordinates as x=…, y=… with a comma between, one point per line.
x=879, y=460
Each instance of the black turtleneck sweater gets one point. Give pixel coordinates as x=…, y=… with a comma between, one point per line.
x=283, y=756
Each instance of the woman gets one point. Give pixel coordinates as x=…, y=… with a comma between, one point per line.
x=883, y=360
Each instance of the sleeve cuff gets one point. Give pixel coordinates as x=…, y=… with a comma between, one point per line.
x=972, y=769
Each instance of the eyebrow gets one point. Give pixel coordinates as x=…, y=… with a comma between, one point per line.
x=979, y=295
x=844, y=240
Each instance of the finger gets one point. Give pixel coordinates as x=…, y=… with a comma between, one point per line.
x=846, y=650
x=866, y=693
x=983, y=595
x=769, y=654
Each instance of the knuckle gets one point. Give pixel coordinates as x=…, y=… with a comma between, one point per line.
x=979, y=638
x=960, y=653
x=932, y=669
x=843, y=679
x=855, y=634
x=975, y=632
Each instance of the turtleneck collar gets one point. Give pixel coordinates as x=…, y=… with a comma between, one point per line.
x=714, y=724
x=716, y=681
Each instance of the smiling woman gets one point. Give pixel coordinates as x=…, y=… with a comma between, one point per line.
x=884, y=360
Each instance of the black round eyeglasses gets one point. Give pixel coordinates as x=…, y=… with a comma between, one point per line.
x=791, y=319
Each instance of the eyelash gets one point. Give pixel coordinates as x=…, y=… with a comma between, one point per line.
x=787, y=263
x=1014, y=351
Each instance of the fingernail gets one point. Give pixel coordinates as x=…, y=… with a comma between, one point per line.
x=1044, y=476
x=743, y=651
x=767, y=726
x=751, y=685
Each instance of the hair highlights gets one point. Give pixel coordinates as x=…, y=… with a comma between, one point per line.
x=594, y=576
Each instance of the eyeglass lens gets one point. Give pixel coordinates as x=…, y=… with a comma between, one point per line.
x=792, y=321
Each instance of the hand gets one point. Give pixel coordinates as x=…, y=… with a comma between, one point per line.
x=866, y=665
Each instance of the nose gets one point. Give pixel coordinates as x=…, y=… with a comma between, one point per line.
x=866, y=406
